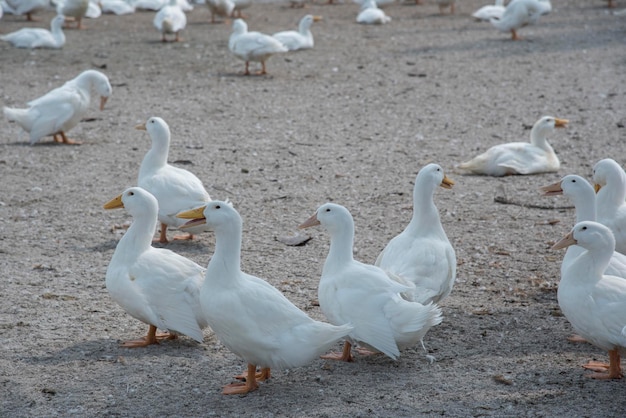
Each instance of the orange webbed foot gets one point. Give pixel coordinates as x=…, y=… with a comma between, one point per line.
x=345, y=355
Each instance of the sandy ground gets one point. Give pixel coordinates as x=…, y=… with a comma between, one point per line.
x=351, y=121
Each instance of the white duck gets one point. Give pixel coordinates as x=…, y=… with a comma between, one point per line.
x=27, y=7
x=73, y=9
x=520, y=13
x=61, y=109
x=491, y=10
x=117, y=7
x=253, y=46
x=170, y=20
x=610, y=184
x=594, y=303
x=300, y=39
x=581, y=193
x=364, y=295
x=251, y=317
x=154, y=285
x=222, y=8
x=38, y=38
x=422, y=255
x=520, y=157
x=175, y=189
x=370, y=14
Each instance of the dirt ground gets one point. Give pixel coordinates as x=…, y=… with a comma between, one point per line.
x=351, y=121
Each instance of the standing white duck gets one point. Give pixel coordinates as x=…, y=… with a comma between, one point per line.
x=520, y=157
x=170, y=20
x=154, y=285
x=610, y=184
x=422, y=254
x=61, y=109
x=491, y=10
x=300, y=39
x=253, y=46
x=251, y=317
x=581, y=193
x=370, y=14
x=520, y=13
x=364, y=295
x=38, y=38
x=73, y=9
x=594, y=303
x=27, y=7
x=175, y=189
x=222, y=8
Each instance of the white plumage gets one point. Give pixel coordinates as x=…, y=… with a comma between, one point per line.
x=38, y=38
x=170, y=20
x=364, y=296
x=490, y=11
x=253, y=46
x=250, y=316
x=61, y=109
x=300, y=39
x=222, y=8
x=153, y=285
x=175, y=189
x=73, y=9
x=610, y=181
x=520, y=13
x=581, y=193
x=595, y=303
x=422, y=255
x=520, y=157
x=370, y=14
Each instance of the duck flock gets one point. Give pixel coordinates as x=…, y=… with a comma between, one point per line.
x=383, y=307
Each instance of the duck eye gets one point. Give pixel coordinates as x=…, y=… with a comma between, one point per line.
x=574, y=181
x=131, y=193
x=327, y=209
x=584, y=228
x=218, y=207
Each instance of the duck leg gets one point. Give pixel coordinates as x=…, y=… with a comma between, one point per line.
x=262, y=68
x=184, y=237
x=240, y=388
x=163, y=235
x=345, y=355
x=68, y=141
x=30, y=18
x=614, y=367
x=247, y=72
x=262, y=375
x=515, y=36
x=151, y=338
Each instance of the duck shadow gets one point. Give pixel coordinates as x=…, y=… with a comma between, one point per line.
x=109, y=350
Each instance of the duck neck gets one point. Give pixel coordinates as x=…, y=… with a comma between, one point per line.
x=156, y=157
x=341, y=246
x=138, y=238
x=227, y=255
x=538, y=138
x=585, y=204
x=613, y=194
x=425, y=214
x=589, y=267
